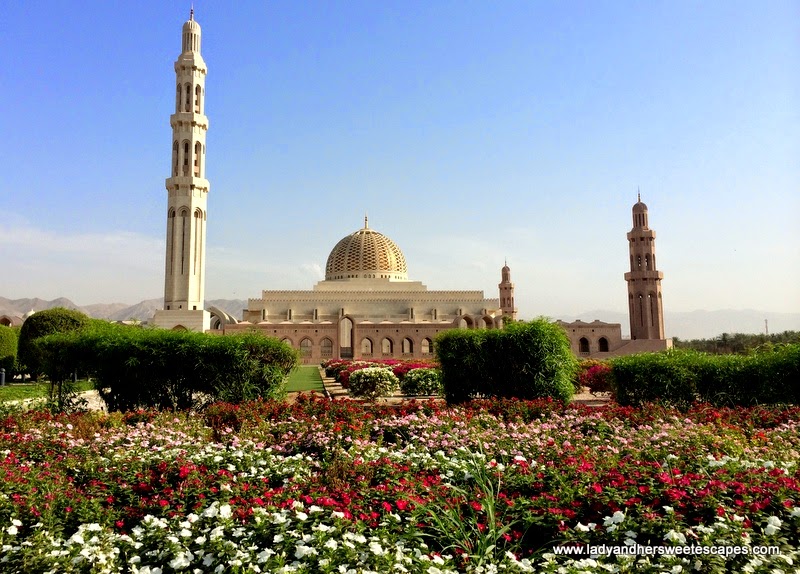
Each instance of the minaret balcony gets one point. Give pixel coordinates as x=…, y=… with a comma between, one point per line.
x=188, y=119
x=186, y=182
x=643, y=275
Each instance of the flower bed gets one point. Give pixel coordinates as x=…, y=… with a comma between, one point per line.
x=341, y=369
x=319, y=485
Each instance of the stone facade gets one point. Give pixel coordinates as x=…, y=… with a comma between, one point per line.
x=367, y=307
x=187, y=191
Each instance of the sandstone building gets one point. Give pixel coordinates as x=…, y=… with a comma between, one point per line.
x=366, y=307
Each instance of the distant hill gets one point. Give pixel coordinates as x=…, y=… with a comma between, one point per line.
x=686, y=325
x=142, y=311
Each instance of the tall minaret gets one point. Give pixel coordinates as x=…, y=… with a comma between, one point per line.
x=187, y=191
x=507, y=293
x=644, y=280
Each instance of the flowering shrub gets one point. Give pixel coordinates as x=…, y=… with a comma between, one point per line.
x=422, y=382
x=341, y=369
x=596, y=375
x=318, y=485
x=373, y=382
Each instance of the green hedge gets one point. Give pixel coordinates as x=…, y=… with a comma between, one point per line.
x=41, y=324
x=140, y=368
x=523, y=360
x=681, y=377
x=8, y=350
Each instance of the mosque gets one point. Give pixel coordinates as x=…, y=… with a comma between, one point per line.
x=366, y=307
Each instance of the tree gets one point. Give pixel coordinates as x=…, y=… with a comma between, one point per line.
x=48, y=322
x=8, y=350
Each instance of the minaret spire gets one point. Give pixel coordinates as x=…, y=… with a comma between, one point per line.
x=187, y=191
x=366, y=221
x=644, y=279
x=506, y=288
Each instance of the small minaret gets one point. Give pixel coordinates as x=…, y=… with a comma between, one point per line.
x=187, y=190
x=507, y=293
x=644, y=280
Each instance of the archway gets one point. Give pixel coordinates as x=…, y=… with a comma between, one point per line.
x=346, y=338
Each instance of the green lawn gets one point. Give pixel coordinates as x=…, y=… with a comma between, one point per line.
x=23, y=391
x=305, y=378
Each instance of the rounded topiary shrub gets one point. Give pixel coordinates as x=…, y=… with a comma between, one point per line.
x=41, y=324
x=373, y=382
x=422, y=382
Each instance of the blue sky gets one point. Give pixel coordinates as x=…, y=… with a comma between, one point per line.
x=471, y=132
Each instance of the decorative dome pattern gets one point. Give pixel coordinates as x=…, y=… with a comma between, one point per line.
x=366, y=254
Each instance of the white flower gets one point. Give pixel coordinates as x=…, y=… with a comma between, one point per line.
x=668, y=509
x=674, y=536
x=302, y=516
x=773, y=525
x=376, y=548
x=277, y=539
x=264, y=555
x=225, y=511
x=180, y=562
x=581, y=527
x=302, y=551
x=332, y=544
x=615, y=518
x=795, y=512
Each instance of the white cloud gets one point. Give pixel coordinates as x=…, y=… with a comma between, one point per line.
x=121, y=266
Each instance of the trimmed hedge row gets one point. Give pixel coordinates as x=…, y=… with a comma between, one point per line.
x=523, y=360
x=138, y=368
x=680, y=378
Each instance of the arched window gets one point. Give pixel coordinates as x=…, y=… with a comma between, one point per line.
x=305, y=347
x=641, y=310
x=408, y=346
x=638, y=262
x=287, y=340
x=186, y=154
x=197, y=91
x=602, y=345
x=583, y=345
x=651, y=299
x=175, y=158
x=326, y=348
x=366, y=347
x=198, y=148
x=178, y=98
x=647, y=261
x=425, y=346
x=188, y=106
x=387, y=346
x=184, y=238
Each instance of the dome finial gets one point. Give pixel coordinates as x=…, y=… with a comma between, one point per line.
x=638, y=194
x=366, y=221
x=191, y=11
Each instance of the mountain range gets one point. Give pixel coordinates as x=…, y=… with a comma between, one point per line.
x=684, y=324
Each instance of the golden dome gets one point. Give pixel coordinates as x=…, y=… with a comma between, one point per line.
x=366, y=254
